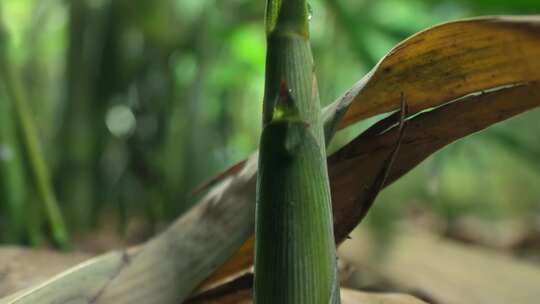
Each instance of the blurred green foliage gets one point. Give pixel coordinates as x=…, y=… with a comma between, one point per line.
x=137, y=102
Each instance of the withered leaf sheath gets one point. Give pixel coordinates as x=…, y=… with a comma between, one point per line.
x=295, y=255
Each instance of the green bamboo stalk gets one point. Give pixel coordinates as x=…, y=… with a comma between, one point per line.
x=39, y=169
x=295, y=255
x=11, y=173
x=82, y=133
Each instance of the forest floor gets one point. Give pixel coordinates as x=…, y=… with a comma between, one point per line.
x=460, y=266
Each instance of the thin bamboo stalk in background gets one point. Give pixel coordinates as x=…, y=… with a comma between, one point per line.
x=12, y=177
x=82, y=128
x=353, y=27
x=36, y=159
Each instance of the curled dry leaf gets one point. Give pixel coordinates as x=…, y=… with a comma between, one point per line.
x=444, y=63
x=426, y=133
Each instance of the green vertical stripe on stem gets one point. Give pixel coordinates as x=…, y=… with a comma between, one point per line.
x=295, y=258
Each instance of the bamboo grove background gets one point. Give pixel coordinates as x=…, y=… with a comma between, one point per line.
x=114, y=111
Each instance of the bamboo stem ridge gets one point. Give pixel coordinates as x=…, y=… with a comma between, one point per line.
x=295, y=255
